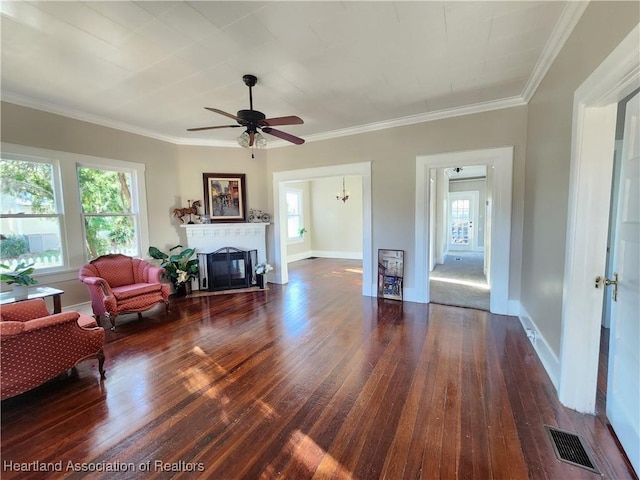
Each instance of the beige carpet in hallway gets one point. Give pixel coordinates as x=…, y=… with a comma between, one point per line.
x=460, y=281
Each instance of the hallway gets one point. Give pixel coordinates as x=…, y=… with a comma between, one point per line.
x=460, y=281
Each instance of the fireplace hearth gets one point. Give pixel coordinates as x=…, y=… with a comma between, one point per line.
x=227, y=268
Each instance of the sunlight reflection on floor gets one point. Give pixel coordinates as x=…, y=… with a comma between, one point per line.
x=482, y=286
x=314, y=459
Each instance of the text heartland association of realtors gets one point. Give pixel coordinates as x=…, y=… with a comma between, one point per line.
x=70, y=466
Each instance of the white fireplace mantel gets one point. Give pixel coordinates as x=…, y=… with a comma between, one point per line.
x=207, y=238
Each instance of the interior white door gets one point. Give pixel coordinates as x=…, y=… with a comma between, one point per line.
x=463, y=219
x=623, y=381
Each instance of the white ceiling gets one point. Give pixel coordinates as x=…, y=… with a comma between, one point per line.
x=343, y=67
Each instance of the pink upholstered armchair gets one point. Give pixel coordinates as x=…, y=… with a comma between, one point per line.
x=36, y=346
x=120, y=284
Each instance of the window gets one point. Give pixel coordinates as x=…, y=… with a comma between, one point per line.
x=110, y=225
x=31, y=219
x=294, y=214
x=104, y=209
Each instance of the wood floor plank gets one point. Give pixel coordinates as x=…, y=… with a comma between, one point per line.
x=305, y=380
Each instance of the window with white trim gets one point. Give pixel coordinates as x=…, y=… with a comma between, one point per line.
x=294, y=214
x=60, y=210
x=31, y=212
x=109, y=218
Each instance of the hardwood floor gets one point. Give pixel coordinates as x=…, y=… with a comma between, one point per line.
x=307, y=380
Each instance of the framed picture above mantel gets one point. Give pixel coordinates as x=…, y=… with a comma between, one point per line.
x=225, y=197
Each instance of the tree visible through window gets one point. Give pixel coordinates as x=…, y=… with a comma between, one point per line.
x=30, y=215
x=107, y=209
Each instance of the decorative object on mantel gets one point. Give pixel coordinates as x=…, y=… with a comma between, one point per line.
x=262, y=269
x=344, y=196
x=180, y=268
x=225, y=197
x=192, y=209
x=20, y=278
x=258, y=216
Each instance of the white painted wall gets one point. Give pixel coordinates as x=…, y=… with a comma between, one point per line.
x=442, y=207
x=336, y=226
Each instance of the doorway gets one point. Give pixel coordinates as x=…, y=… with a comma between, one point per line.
x=594, y=118
x=280, y=220
x=458, y=274
x=497, y=236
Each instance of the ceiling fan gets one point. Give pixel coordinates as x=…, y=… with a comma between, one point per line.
x=253, y=120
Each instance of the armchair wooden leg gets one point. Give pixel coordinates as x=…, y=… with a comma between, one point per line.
x=101, y=363
x=112, y=319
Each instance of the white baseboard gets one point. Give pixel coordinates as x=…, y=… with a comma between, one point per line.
x=324, y=254
x=549, y=359
x=79, y=307
x=332, y=254
x=514, y=308
x=299, y=256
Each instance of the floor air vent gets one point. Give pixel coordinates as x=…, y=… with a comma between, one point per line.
x=570, y=448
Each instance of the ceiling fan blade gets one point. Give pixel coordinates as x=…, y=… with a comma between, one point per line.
x=252, y=137
x=224, y=113
x=211, y=128
x=290, y=120
x=285, y=136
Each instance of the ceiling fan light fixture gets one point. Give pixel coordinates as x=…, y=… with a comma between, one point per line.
x=260, y=141
x=243, y=140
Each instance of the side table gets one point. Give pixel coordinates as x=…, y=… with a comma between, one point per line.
x=35, y=292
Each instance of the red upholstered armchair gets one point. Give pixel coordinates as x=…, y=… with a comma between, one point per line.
x=36, y=346
x=120, y=284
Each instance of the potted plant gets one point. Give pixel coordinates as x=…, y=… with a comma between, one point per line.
x=180, y=267
x=20, y=278
x=302, y=231
x=261, y=269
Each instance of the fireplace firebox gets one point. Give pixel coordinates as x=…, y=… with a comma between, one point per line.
x=227, y=268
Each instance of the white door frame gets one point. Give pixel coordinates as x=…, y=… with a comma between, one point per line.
x=500, y=160
x=280, y=179
x=592, y=146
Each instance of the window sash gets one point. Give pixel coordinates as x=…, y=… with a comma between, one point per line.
x=296, y=217
x=44, y=260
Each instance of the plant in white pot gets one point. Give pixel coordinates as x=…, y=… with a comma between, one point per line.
x=20, y=278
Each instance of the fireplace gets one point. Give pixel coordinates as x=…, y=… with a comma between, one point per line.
x=227, y=268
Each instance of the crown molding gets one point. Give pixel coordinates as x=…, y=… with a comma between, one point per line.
x=420, y=118
x=104, y=122
x=371, y=127
x=568, y=20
